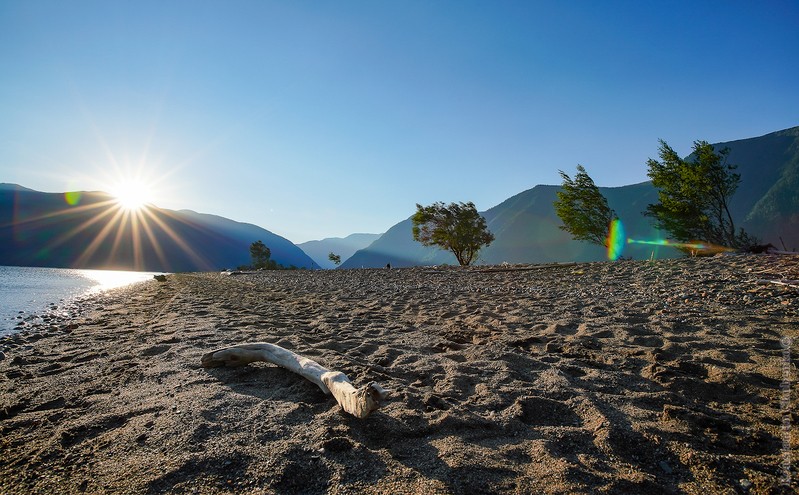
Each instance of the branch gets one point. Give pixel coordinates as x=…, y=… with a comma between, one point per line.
x=359, y=402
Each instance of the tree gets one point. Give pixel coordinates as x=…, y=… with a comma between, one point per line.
x=694, y=196
x=583, y=210
x=261, y=255
x=336, y=259
x=456, y=227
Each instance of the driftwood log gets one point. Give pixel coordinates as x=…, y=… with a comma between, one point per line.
x=360, y=402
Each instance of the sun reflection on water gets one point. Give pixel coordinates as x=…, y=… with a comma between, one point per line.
x=112, y=279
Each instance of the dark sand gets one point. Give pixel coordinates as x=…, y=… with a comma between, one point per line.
x=629, y=377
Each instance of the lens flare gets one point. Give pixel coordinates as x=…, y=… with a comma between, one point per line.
x=72, y=198
x=615, y=240
x=696, y=247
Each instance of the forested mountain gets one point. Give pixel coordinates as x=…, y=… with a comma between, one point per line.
x=768, y=199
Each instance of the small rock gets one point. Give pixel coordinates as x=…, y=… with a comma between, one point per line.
x=745, y=484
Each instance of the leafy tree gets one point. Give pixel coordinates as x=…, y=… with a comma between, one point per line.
x=583, y=210
x=261, y=255
x=336, y=259
x=456, y=227
x=694, y=196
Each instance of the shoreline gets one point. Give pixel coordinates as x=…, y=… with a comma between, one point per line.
x=60, y=301
x=663, y=376
x=52, y=317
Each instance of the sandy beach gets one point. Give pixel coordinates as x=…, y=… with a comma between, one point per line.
x=670, y=376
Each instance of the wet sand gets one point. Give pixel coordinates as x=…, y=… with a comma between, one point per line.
x=672, y=376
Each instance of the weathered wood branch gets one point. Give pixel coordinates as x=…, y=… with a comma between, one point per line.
x=360, y=402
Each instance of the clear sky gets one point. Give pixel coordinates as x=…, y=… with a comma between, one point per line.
x=318, y=118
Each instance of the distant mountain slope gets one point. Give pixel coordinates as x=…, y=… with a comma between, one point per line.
x=526, y=230
x=767, y=203
x=344, y=247
x=5, y=186
x=42, y=229
x=397, y=247
x=526, y=226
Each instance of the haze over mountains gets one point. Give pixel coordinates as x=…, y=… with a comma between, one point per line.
x=90, y=231
x=345, y=247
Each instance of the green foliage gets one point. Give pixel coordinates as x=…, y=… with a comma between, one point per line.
x=456, y=227
x=694, y=196
x=583, y=210
x=261, y=256
x=336, y=259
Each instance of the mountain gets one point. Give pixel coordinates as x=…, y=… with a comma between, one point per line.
x=397, y=247
x=526, y=230
x=344, y=247
x=4, y=186
x=767, y=202
x=526, y=227
x=89, y=230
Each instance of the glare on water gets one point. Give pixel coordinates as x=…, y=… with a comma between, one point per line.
x=111, y=279
x=28, y=291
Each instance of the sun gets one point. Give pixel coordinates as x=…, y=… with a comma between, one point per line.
x=132, y=195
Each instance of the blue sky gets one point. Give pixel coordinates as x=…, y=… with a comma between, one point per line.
x=319, y=119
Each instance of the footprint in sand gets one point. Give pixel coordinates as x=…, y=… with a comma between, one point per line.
x=647, y=341
x=155, y=350
x=81, y=433
x=561, y=329
x=540, y=411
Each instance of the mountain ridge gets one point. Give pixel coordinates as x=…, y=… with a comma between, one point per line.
x=527, y=229
x=44, y=229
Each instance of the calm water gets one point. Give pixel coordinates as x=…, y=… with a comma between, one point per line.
x=26, y=290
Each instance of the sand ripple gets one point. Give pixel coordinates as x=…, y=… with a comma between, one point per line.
x=627, y=377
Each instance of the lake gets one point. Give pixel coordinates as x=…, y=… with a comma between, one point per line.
x=25, y=291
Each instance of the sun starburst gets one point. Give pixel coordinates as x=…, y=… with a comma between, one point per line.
x=132, y=194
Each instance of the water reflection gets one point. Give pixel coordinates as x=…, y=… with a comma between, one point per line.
x=111, y=279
